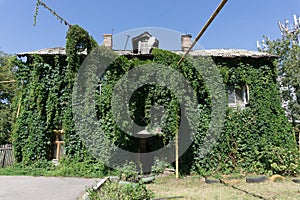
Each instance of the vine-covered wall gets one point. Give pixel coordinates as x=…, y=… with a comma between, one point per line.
x=257, y=138
x=44, y=100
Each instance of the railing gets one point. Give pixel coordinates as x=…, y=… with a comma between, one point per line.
x=6, y=155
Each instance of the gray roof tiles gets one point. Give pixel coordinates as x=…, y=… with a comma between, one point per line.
x=226, y=53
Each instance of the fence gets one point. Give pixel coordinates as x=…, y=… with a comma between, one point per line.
x=6, y=155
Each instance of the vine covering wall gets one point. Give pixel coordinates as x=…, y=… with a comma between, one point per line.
x=44, y=98
x=255, y=139
x=258, y=138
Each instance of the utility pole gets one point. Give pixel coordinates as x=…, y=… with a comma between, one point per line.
x=211, y=19
x=215, y=13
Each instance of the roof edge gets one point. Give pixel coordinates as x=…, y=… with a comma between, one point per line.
x=225, y=53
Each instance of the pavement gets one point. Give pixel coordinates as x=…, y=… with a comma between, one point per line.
x=43, y=188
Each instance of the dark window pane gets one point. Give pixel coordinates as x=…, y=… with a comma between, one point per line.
x=231, y=94
x=239, y=95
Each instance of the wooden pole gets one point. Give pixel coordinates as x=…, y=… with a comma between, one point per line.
x=297, y=131
x=180, y=61
x=57, y=150
x=19, y=106
x=58, y=143
x=177, y=145
x=19, y=103
x=299, y=141
x=177, y=155
x=203, y=29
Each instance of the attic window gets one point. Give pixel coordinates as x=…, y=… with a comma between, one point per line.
x=143, y=43
x=238, y=96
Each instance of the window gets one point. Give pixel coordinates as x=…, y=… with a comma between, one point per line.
x=238, y=96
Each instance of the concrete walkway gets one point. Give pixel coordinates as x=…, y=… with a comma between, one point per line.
x=43, y=188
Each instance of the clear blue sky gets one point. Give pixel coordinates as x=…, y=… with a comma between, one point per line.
x=238, y=25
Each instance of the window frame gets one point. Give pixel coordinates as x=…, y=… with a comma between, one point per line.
x=233, y=91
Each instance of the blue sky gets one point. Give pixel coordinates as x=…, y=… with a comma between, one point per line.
x=238, y=25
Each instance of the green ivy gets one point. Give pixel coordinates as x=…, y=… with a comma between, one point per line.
x=44, y=97
x=258, y=138
x=248, y=136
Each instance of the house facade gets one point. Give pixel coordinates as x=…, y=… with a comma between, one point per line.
x=255, y=121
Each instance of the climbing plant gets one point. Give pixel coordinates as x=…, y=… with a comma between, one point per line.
x=252, y=135
x=41, y=3
x=151, y=106
x=32, y=131
x=78, y=43
x=257, y=138
x=43, y=102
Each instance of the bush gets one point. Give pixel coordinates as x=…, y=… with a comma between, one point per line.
x=128, y=172
x=159, y=166
x=74, y=168
x=125, y=191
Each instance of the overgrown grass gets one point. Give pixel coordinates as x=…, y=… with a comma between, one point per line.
x=66, y=168
x=122, y=191
x=187, y=187
x=19, y=170
x=194, y=187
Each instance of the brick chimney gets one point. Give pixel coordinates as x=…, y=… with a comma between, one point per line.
x=107, y=41
x=186, y=42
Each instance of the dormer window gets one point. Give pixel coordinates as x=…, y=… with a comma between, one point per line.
x=238, y=96
x=144, y=43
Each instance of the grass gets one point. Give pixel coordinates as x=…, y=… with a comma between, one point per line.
x=21, y=171
x=188, y=187
x=66, y=169
x=194, y=187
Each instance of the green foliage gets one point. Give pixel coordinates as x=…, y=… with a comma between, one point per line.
x=32, y=135
x=145, y=102
x=89, y=168
x=44, y=97
x=7, y=92
x=78, y=41
x=279, y=160
x=252, y=135
x=39, y=168
x=287, y=48
x=246, y=142
x=247, y=132
x=128, y=172
x=40, y=3
x=159, y=166
x=72, y=168
x=119, y=191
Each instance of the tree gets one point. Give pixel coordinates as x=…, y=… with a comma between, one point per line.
x=287, y=48
x=7, y=91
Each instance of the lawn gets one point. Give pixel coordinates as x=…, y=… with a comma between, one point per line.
x=194, y=187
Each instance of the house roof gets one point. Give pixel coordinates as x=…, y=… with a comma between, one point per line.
x=47, y=51
x=226, y=53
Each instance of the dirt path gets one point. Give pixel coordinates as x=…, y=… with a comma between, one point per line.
x=42, y=188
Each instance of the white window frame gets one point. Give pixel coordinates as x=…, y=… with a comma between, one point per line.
x=245, y=96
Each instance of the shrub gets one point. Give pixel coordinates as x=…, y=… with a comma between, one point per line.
x=123, y=191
